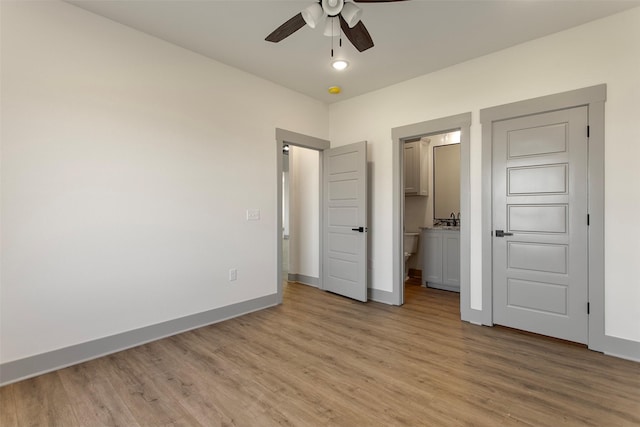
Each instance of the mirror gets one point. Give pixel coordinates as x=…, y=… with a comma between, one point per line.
x=446, y=181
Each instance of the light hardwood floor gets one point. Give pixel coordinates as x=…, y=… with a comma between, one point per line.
x=320, y=359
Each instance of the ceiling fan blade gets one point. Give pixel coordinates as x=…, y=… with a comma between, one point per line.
x=286, y=29
x=376, y=1
x=358, y=35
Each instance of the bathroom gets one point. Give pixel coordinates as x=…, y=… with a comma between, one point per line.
x=432, y=211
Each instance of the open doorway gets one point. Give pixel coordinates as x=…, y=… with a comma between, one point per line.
x=341, y=209
x=301, y=215
x=400, y=135
x=296, y=141
x=286, y=179
x=432, y=217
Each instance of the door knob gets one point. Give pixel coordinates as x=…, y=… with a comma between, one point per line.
x=359, y=229
x=501, y=233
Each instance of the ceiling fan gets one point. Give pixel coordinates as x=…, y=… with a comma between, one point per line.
x=347, y=13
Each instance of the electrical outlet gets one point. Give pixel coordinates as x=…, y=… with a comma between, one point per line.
x=253, y=214
x=233, y=274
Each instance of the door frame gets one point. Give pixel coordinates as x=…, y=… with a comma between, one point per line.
x=283, y=137
x=399, y=135
x=593, y=98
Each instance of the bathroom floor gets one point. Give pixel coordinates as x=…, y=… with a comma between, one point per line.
x=412, y=281
x=444, y=300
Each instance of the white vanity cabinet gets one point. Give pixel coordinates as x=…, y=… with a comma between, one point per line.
x=416, y=168
x=441, y=258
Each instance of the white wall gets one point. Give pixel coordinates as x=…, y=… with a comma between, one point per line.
x=304, y=212
x=604, y=51
x=127, y=167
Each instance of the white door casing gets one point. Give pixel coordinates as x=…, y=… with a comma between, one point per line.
x=540, y=271
x=344, y=266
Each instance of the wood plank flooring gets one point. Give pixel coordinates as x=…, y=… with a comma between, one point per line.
x=320, y=359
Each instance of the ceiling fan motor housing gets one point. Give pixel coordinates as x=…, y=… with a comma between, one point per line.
x=332, y=7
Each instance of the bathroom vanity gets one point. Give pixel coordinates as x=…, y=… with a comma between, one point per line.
x=440, y=247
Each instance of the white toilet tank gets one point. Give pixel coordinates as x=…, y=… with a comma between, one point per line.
x=411, y=242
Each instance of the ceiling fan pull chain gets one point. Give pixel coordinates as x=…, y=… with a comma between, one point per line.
x=332, y=41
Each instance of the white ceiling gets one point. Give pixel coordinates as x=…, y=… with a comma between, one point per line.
x=411, y=38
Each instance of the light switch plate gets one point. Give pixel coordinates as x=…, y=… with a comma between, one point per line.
x=253, y=214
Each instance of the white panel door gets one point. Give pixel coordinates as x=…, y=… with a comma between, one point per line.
x=540, y=223
x=344, y=267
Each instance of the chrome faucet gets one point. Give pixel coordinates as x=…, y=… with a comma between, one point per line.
x=453, y=220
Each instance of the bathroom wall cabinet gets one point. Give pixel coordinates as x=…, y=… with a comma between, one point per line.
x=441, y=259
x=416, y=168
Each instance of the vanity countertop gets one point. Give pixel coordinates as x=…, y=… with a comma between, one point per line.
x=442, y=227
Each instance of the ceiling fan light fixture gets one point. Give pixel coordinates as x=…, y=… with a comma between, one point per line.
x=340, y=64
x=331, y=27
x=351, y=14
x=312, y=15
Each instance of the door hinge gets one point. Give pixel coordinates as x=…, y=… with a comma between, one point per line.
x=588, y=308
x=588, y=131
x=588, y=219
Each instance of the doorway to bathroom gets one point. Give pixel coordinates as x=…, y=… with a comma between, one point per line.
x=415, y=213
x=431, y=249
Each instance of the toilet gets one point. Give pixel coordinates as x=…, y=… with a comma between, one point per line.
x=410, y=248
